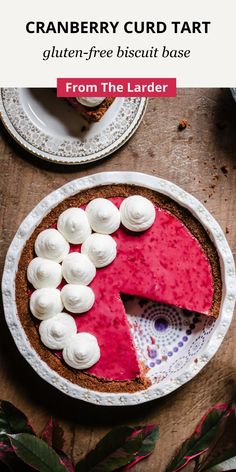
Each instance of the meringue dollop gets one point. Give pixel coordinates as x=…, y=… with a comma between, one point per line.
x=56, y=332
x=100, y=248
x=73, y=224
x=137, y=213
x=43, y=273
x=50, y=244
x=78, y=269
x=81, y=351
x=77, y=298
x=45, y=303
x=90, y=101
x=103, y=216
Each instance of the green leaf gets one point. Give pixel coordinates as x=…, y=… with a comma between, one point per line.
x=36, y=453
x=12, y=420
x=224, y=462
x=112, y=442
x=229, y=454
x=66, y=461
x=122, y=446
x=223, y=448
x=205, y=434
x=150, y=435
x=53, y=434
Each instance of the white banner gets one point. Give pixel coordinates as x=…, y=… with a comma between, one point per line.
x=192, y=41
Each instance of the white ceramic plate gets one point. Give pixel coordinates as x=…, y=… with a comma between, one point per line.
x=50, y=128
x=187, y=343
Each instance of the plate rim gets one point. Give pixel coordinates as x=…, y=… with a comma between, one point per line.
x=32, y=220
x=56, y=159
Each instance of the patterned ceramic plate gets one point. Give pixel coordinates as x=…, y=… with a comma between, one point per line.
x=48, y=127
x=173, y=343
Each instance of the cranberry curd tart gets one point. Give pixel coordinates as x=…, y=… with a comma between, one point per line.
x=121, y=284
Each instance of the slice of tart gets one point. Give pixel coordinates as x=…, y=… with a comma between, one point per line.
x=170, y=260
x=91, y=108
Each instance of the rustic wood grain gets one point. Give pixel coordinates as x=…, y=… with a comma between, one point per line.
x=192, y=158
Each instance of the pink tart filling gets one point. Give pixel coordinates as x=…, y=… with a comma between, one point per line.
x=166, y=263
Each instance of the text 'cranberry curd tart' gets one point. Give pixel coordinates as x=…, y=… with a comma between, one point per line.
x=88, y=252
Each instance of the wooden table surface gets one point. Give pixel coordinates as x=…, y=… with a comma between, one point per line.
x=202, y=160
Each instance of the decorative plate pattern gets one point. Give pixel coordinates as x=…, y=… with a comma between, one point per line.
x=174, y=344
x=32, y=117
x=163, y=333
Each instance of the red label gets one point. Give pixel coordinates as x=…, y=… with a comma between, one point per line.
x=116, y=87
